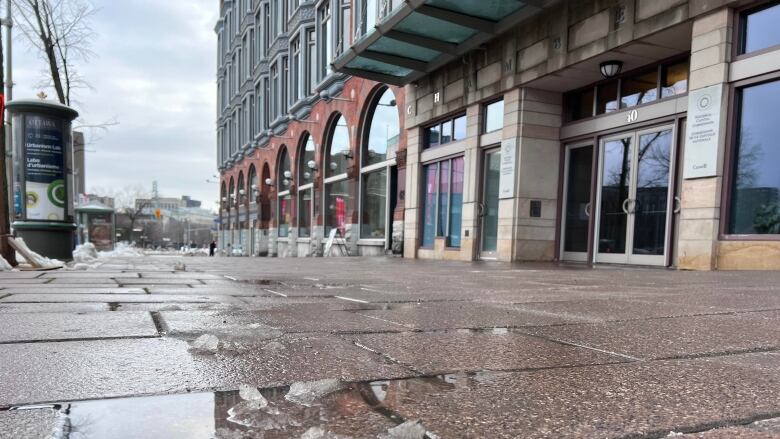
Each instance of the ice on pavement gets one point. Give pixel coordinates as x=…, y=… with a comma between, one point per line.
x=306, y=393
x=407, y=430
x=274, y=346
x=206, y=343
x=319, y=433
x=253, y=395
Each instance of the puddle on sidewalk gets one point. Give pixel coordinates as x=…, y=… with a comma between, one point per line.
x=314, y=410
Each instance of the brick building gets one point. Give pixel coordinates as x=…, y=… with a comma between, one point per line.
x=638, y=132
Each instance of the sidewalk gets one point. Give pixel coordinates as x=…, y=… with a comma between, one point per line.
x=387, y=348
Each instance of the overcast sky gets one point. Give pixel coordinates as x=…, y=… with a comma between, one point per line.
x=154, y=70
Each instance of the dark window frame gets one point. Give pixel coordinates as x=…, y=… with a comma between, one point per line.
x=451, y=119
x=730, y=159
x=618, y=80
x=422, y=181
x=483, y=112
x=741, y=31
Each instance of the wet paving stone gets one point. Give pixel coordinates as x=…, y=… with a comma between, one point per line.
x=763, y=429
x=675, y=337
x=17, y=327
x=125, y=367
x=32, y=423
x=639, y=399
x=288, y=319
x=600, y=310
x=151, y=298
x=52, y=307
x=447, y=315
x=469, y=350
x=206, y=290
x=69, y=289
x=176, y=306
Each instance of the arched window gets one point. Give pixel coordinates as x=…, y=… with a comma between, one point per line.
x=231, y=193
x=265, y=199
x=338, y=201
x=240, y=192
x=284, y=201
x=223, y=197
x=306, y=167
x=380, y=143
x=252, y=187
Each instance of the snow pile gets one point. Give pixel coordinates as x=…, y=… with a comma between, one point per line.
x=37, y=261
x=121, y=250
x=5, y=266
x=252, y=395
x=85, y=253
x=255, y=412
x=306, y=393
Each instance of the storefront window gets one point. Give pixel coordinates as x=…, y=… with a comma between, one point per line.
x=339, y=149
x=674, y=79
x=338, y=206
x=443, y=202
x=606, y=97
x=379, y=145
x=639, y=89
x=755, y=188
x=580, y=104
x=305, y=187
x=760, y=30
x=338, y=202
x=374, y=205
x=494, y=116
x=283, y=180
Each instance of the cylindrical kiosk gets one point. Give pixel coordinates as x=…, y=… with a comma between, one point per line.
x=42, y=183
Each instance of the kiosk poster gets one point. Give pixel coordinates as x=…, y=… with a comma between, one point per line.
x=44, y=168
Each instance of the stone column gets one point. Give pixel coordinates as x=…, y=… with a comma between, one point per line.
x=412, y=199
x=532, y=118
x=700, y=214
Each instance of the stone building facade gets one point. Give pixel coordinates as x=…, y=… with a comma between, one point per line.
x=602, y=131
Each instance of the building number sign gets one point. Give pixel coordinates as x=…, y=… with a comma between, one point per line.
x=632, y=116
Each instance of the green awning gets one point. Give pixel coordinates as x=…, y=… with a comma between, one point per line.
x=420, y=36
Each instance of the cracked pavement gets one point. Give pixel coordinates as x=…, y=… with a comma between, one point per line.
x=412, y=349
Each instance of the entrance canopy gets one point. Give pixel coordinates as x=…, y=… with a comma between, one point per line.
x=419, y=36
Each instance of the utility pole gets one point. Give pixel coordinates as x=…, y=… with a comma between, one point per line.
x=5, y=140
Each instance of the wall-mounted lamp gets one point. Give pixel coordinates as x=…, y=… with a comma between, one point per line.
x=346, y=153
x=610, y=69
x=307, y=175
x=292, y=118
x=224, y=198
x=287, y=174
x=241, y=192
x=334, y=166
x=325, y=95
x=286, y=182
x=269, y=182
x=312, y=165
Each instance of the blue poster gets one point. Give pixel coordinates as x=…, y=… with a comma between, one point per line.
x=44, y=168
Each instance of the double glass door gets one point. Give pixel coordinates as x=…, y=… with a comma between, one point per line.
x=635, y=197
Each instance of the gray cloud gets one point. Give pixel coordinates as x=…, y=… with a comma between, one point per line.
x=154, y=70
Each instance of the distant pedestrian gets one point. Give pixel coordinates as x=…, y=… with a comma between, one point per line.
x=229, y=250
x=212, y=248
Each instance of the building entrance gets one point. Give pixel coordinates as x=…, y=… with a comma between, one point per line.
x=634, y=197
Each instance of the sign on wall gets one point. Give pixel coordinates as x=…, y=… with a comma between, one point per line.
x=703, y=132
x=44, y=168
x=506, y=182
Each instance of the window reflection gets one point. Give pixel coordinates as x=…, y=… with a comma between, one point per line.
x=384, y=130
x=755, y=190
x=639, y=89
x=494, y=116
x=339, y=148
x=761, y=29
x=607, y=98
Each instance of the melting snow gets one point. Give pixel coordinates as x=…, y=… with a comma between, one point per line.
x=207, y=343
x=305, y=393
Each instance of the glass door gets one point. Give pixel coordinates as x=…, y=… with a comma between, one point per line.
x=577, y=207
x=488, y=207
x=635, y=197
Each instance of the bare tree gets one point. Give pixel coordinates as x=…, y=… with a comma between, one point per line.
x=62, y=31
x=133, y=202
